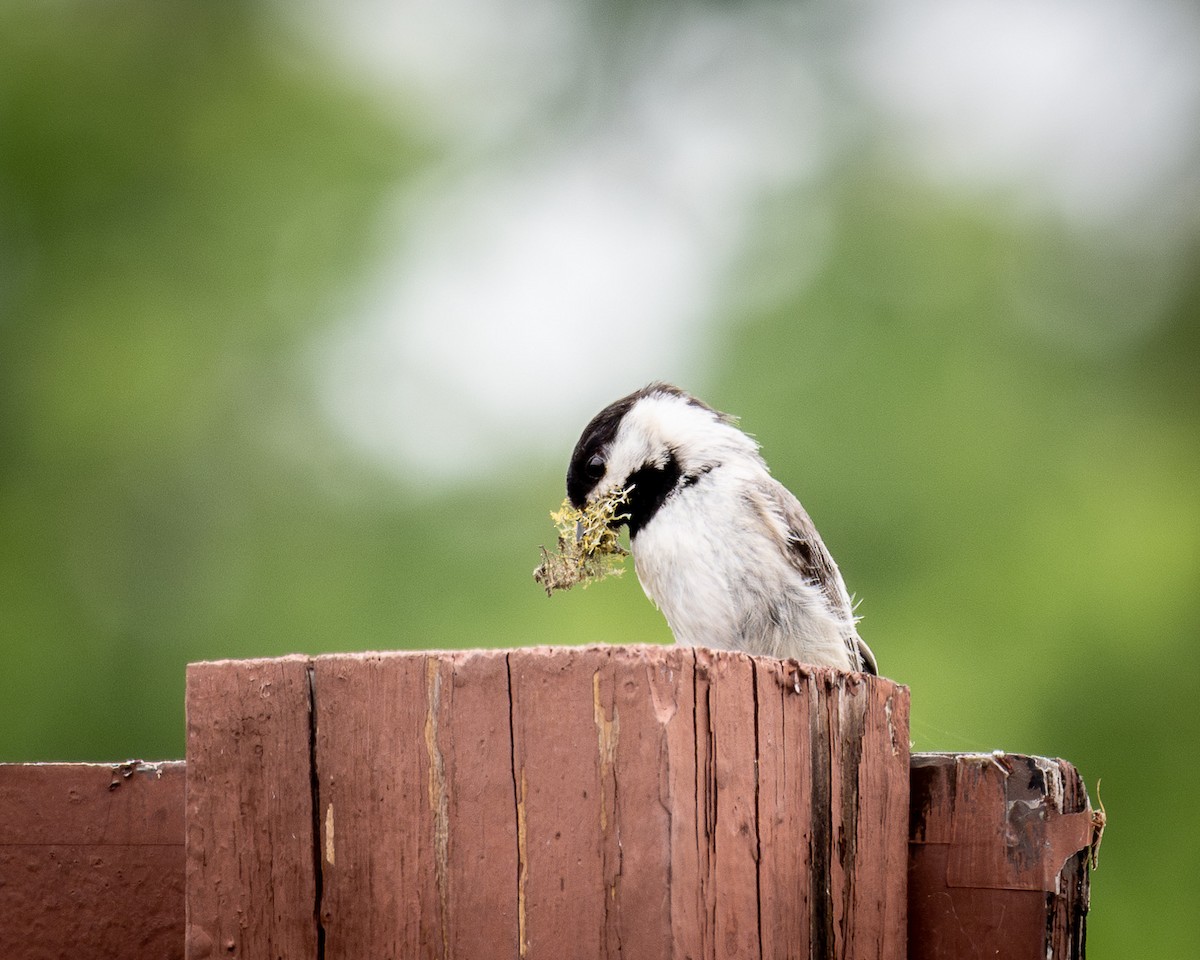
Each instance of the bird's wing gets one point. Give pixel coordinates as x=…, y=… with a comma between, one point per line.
x=866, y=657
x=798, y=540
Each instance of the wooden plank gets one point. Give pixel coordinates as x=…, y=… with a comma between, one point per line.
x=878, y=925
x=417, y=811
x=377, y=869
x=92, y=861
x=564, y=738
x=473, y=742
x=997, y=858
x=786, y=710
x=645, y=724
x=728, y=789
x=860, y=794
x=251, y=882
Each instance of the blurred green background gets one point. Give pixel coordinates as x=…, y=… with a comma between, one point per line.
x=302, y=309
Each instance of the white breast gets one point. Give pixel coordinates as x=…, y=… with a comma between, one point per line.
x=720, y=578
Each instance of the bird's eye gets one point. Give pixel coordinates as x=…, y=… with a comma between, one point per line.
x=595, y=467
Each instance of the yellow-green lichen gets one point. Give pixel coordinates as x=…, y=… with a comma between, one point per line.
x=588, y=546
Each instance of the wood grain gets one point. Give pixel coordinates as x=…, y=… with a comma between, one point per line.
x=786, y=711
x=417, y=814
x=596, y=802
x=251, y=883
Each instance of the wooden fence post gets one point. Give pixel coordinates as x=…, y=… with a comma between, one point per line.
x=998, y=858
x=647, y=802
x=554, y=802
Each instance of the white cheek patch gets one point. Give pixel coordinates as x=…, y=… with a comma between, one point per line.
x=632, y=449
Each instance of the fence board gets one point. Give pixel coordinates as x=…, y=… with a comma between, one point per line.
x=563, y=773
x=251, y=882
x=786, y=717
x=875, y=795
x=415, y=778
x=91, y=861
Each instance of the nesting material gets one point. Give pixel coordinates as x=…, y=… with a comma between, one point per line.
x=588, y=546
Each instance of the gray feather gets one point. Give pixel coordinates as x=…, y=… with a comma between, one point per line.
x=803, y=547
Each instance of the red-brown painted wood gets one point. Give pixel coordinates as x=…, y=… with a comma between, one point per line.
x=998, y=854
x=562, y=803
x=595, y=802
x=251, y=878
x=92, y=861
x=416, y=808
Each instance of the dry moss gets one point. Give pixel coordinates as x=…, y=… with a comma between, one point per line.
x=588, y=546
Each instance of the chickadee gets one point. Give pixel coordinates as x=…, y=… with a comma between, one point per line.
x=724, y=550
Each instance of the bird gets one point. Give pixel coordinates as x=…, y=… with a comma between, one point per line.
x=723, y=549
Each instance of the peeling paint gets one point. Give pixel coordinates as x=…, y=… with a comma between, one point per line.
x=607, y=733
x=899, y=745
x=439, y=804
x=1025, y=812
x=126, y=770
x=1053, y=778
x=522, y=866
x=663, y=692
x=329, y=835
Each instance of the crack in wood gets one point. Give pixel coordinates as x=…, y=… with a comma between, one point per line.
x=635, y=821
x=849, y=740
x=520, y=792
x=315, y=788
x=820, y=844
x=607, y=720
x=758, y=859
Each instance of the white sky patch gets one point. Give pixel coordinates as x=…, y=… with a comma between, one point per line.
x=599, y=182
x=481, y=67
x=1084, y=114
x=529, y=288
x=1087, y=106
x=513, y=307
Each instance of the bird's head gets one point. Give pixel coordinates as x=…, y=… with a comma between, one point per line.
x=652, y=443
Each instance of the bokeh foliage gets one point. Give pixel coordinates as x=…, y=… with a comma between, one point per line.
x=995, y=421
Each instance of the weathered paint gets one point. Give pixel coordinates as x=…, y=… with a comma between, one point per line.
x=584, y=802
x=998, y=854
